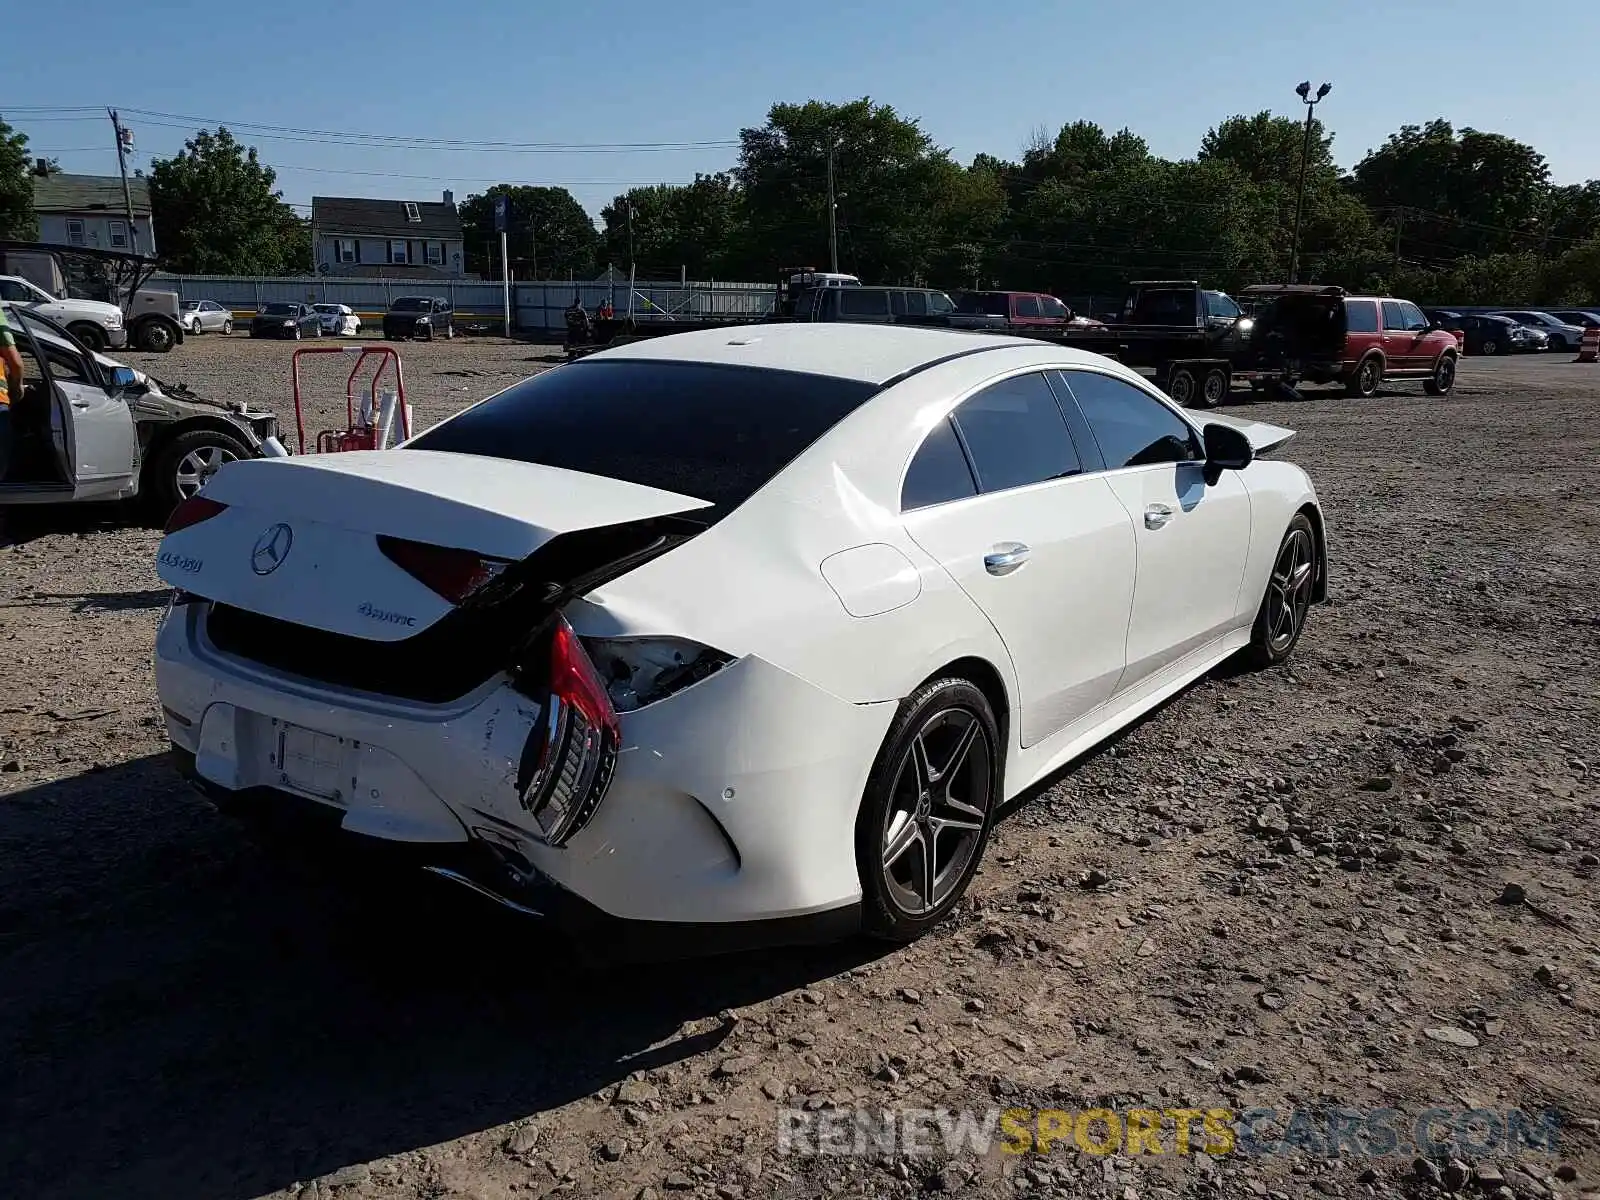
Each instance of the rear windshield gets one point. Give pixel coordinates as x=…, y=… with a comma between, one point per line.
x=717, y=433
x=410, y=304
x=280, y=310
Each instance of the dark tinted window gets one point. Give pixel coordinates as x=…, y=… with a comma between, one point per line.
x=1133, y=429
x=411, y=304
x=1361, y=316
x=1163, y=306
x=863, y=302
x=938, y=472
x=917, y=304
x=940, y=305
x=1016, y=434
x=897, y=304
x=1053, y=307
x=983, y=303
x=280, y=310
x=1219, y=305
x=713, y=432
x=1028, y=306
x=1394, y=319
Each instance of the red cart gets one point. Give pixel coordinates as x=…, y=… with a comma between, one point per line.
x=362, y=434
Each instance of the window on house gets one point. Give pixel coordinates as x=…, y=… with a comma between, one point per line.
x=436, y=254
x=345, y=250
x=397, y=252
x=75, y=234
x=411, y=211
x=119, y=234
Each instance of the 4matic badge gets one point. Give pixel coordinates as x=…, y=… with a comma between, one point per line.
x=387, y=616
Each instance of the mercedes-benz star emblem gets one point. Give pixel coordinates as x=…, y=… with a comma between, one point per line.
x=271, y=548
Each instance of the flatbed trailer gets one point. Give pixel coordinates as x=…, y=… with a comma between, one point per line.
x=1195, y=354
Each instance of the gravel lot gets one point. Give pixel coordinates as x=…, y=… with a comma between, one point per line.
x=1282, y=891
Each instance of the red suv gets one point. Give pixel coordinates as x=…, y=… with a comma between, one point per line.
x=1321, y=335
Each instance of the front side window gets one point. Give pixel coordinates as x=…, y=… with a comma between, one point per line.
x=1361, y=316
x=939, y=472
x=1415, y=322
x=1053, y=307
x=1219, y=305
x=1015, y=434
x=1028, y=306
x=715, y=432
x=1132, y=428
x=940, y=305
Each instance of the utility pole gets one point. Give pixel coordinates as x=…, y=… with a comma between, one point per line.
x=1399, y=222
x=833, y=218
x=628, y=217
x=1304, y=92
x=124, y=137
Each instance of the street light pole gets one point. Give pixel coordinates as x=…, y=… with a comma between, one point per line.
x=833, y=218
x=1304, y=92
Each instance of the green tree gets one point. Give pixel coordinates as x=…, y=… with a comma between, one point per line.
x=17, y=220
x=216, y=211
x=673, y=227
x=892, y=182
x=550, y=235
x=1448, y=195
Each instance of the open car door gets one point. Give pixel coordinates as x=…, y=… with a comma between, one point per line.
x=73, y=434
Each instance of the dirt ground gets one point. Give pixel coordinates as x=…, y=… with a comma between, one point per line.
x=1285, y=891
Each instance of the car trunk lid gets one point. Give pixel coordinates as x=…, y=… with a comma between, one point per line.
x=383, y=546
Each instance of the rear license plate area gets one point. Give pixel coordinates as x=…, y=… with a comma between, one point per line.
x=312, y=763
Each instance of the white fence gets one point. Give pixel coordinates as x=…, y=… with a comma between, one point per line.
x=537, y=308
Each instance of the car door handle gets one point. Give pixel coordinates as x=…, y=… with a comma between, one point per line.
x=81, y=404
x=1005, y=558
x=1157, y=515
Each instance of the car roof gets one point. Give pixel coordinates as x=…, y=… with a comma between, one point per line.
x=866, y=353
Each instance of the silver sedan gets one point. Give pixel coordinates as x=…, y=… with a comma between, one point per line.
x=206, y=316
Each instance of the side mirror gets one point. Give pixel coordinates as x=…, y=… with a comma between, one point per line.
x=1227, y=449
x=123, y=378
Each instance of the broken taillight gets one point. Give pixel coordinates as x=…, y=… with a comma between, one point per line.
x=452, y=573
x=192, y=511
x=571, y=756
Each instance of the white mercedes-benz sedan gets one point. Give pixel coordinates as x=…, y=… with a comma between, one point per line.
x=745, y=634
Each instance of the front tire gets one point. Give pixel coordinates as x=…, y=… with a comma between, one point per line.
x=91, y=336
x=1489, y=346
x=1558, y=341
x=1443, y=378
x=185, y=464
x=227, y=327
x=1364, y=383
x=1282, y=616
x=928, y=808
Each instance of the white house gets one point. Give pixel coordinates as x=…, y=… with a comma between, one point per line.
x=90, y=210
x=395, y=239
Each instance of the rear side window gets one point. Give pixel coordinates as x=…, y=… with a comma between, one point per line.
x=938, y=472
x=917, y=304
x=1016, y=435
x=1361, y=316
x=983, y=304
x=1133, y=429
x=1028, y=306
x=714, y=432
x=863, y=302
x=1394, y=318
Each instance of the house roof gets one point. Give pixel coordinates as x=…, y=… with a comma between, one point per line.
x=89, y=193
x=384, y=218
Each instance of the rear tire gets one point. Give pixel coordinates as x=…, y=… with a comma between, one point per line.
x=1369, y=375
x=1214, y=388
x=1282, y=617
x=1443, y=378
x=927, y=810
x=1181, y=386
x=1489, y=346
x=155, y=337
x=1558, y=341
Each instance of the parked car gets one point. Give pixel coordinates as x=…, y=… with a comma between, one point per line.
x=1489, y=334
x=338, y=320
x=1562, y=335
x=206, y=316
x=891, y=306
x=832, y=740
x=1583, y=318
x=97, y=324
x=422, y=317
x=1319, y=334
x=130, y=434
x=286, y=320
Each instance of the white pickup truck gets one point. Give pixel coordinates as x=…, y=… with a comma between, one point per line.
x=95, y=324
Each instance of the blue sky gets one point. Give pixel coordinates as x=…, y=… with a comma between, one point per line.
x=980, y=77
